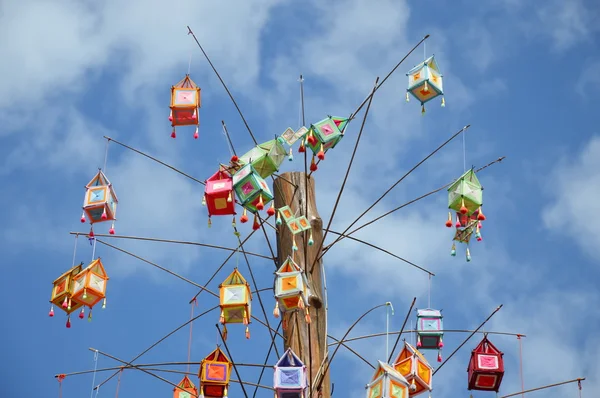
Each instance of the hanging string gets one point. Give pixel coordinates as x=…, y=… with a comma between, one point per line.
x=105, y=155
x=521, y=363
x=387, y=326
x=94, y=249
x=194, y=303
x=75, y=250
x=429, y=298
x=300, y=123
x=119, y=383
x=464, y=152
x=94, y=374
x=190, y=63
x=227, y=140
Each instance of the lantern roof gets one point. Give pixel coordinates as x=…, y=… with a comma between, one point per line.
x=387, y=368
x=289, y=359
x=222, y=174
x=469, y=176
x=73, y=271
x=99, y=179
x=186, y=383
x=410, y=351
x=217, y=355
x=430, y=62
x=186, y=82
x=429, y=312
x=289, y=265
x=486, y=347
x=96, y=267
x=235, y=278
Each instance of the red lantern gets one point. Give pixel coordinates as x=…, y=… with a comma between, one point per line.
x=486, y=367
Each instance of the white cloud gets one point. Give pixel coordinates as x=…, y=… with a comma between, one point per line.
x=567, y=23
x=589, y=81
x=575, y=187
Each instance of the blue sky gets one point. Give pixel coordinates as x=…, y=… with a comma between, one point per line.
x=524, y=74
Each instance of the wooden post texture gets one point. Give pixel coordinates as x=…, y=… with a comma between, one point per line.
x=309, y=341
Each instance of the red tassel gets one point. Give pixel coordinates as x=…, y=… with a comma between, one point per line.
x=271, y=211
x=301, y=148
x=480, y=216
x=68, y=325
x=463, y=208
x=449, y=221
x=104, y=216
x=321, y=154
x=247, y=332
x=196, y=135
x=244, y=217
x=313, y=165
x=439, y=357
x=112, y=229
x=51, y=313
x=260, y=205
x=256, y=225
x=173, y=134
x=81, y=314
x=234, y=159
x=83, y=218
x=91, y=234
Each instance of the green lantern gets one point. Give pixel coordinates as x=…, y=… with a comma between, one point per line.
x=266, y=157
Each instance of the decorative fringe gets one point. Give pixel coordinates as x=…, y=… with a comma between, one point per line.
x=276, y=310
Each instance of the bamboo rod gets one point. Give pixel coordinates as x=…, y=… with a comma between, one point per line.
x=544, y=387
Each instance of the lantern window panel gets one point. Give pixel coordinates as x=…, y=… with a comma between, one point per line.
x=290, y=377
x=397, y=390
x=211, y=390
x=486, y=381
x=215, y=372
x=234, y=315
x=243, y=172
x=233, y=295
x=430, y=324
x=96, y=195
x=290, y=394
x=185, y=97
x=487, y=362
x=376, y=389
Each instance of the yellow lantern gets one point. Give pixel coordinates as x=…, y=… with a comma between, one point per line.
x=235, y=301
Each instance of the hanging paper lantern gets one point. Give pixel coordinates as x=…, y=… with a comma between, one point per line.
x=251, y=189
x=411, y=364
x=235, y=301
x=266, y=157
x=290, y=136
x=486, y=367
x=215, y=371
x=289, y=379
x=430, y=330
x=387, y=383
x=89, y=286
x=185, y=389
x=325, y=135
x=218, y=194
x=425, y=82
x=292, y=290
x=185, y=105
x=62, y=292
x=100, y=203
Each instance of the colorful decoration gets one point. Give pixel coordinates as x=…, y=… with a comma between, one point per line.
x=62, y=293
x=252, y=191
x=425, y=82
x=218, y=195
x=291, y=289
x=430, y=330
x=465, y=197
x=411, y=364
x=185, y=105
x=235, y=301
x=185, y=389
x=486, y=367
x=289, y=379
x=89, y=286
x=100, y=203
x=266, y=157
x=290, y=136
x=323, y=136
x=387, y=383
x=295, y=224
x=215, y=371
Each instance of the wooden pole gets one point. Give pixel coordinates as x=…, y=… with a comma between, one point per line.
x=308, y=341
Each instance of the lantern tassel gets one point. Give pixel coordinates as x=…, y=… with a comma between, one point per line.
x=196, y=134
x=260, y=205
x=458, y=224
x=443, y=102
x=449, y=221
x=463, y=208
x=307, y=316
x=271, y=210
x=245, y=316
x=225, y=392
x=51, y=313
x=439, y=359
x=313, y=165
x=224, y=333
x=247, y=332
x=301, y=148
x=233, y=224
x=68, y=325
x=104, y=303
x=244, y=217
x=291, y=155
x=453, y=250
x=201, y=392
x=104, y=216
x=81, y=314
x=65, y=303
x=423, y=109
x=229, y=198
x=111, y=231
x=173, y=134
x=278, y=220
x=441, y=343
x=256, y=225
x=276, y=310
x=310, y=239
x=468, y=255
x=209, y=222
x=480, y=216
x=419, y=341
x=222, y=317
x=300, y=303
x=83, y=217
x=321, y=153
x=204, y=200
x=407, y=97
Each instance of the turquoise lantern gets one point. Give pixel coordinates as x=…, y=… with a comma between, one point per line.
x=425, y=82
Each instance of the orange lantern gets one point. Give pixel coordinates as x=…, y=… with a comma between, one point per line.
x=185, y=105
x=215, y=371
x=185, y=389
x=62, y=293
x=90, y=286
x=235, y=301
x=411, y=364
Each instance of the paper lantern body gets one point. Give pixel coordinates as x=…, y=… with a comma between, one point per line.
x=411, y=364
x=100, y=198
x=266, y=157
x=63, y=290
x=289, y=379
x=468, y=190
x=291, y=286
x=185, y=102
x=486, y=367
x=235, y=299
x=430, y=329
x=425, y=81
x=215, y=371
x=90, y=284
x=219, y=194
x=327, y=134
x=185, y=389
x=387, y=383
x=250, y=187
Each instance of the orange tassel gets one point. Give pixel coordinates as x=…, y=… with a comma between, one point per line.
x=300, y=303
x=307, y=316
x=463, y=208
x=224, y=333
x=245, y=316
x=480, y=216
x=276, y=310
x=247, y=332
